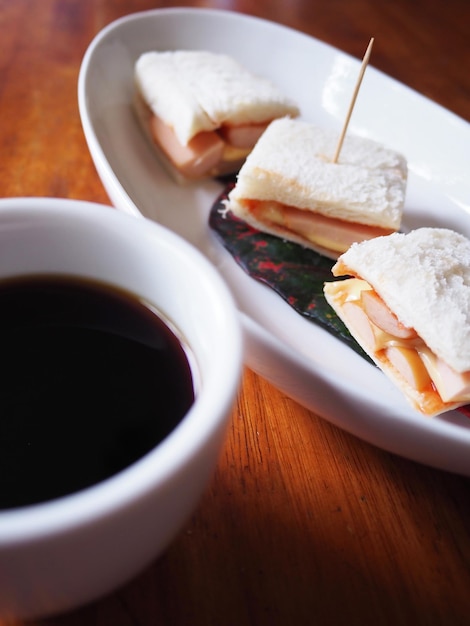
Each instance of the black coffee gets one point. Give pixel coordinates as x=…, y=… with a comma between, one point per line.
x=91, y=379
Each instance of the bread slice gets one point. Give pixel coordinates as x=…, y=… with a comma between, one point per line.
x=204, y=111
x=407, y=304
x=289, y=187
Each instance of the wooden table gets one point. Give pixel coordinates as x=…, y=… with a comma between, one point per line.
x=302, y=523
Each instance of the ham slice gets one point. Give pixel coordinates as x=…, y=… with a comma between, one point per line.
x=243, y=135
x=200, y=155
x=379, y=313
x=209, y=153
x=328, y=233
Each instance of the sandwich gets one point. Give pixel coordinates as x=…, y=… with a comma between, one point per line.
x=203, y=111
x=290, y=187
x=406, y=301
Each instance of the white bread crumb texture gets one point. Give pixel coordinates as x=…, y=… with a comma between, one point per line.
x=292, y=164
x=424, y=278
x=193, y=91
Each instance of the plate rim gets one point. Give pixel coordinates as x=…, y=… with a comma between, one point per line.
x=255, y=333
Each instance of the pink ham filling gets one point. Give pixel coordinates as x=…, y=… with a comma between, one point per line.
x=208, y=150
x=328, y=232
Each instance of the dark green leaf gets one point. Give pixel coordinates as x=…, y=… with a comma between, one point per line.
x=296, y=273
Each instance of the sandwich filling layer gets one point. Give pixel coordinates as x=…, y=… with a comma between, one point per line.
x=329, y=234
x=431, y=384
x=207, y=154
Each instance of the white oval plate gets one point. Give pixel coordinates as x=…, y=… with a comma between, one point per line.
x=296, y=356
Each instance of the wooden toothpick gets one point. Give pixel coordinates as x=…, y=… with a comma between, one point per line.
x=365, y=61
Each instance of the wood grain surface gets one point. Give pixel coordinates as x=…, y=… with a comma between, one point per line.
x=302, y=523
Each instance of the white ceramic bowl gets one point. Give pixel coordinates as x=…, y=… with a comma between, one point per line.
x=63, y=553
